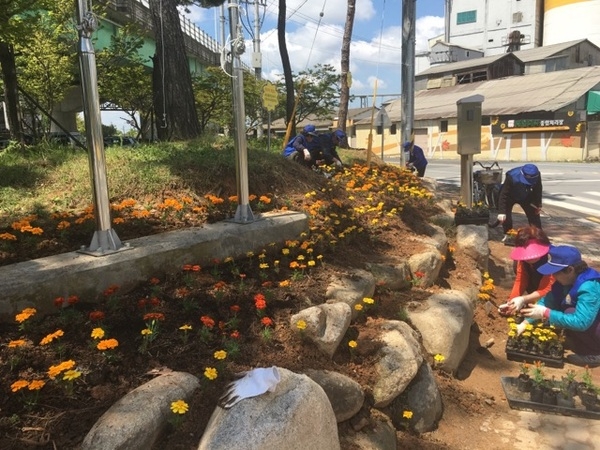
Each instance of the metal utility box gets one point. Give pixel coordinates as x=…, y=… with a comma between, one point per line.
x=469, y=125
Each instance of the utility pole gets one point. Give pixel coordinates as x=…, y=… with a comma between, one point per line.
x=105, y=239
x=243, y=213
x=408, y=73
x=257, y=58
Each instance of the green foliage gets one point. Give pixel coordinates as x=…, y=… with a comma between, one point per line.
x=318, y=89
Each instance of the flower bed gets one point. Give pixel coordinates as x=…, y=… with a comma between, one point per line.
x=478, y=214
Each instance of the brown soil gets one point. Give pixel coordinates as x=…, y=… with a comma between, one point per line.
x=60, y=420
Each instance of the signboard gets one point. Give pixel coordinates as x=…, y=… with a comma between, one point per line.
x=270, y=97
x=569, y=122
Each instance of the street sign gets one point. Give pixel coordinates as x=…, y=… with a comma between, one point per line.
x=269, y=97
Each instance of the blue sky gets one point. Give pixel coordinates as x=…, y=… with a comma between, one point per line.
x=311, y=39
x=376, y=41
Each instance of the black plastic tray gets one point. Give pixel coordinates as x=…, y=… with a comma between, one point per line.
x=520, y=400
x=513, y=355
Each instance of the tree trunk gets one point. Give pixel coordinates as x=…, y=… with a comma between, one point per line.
x=176, y=116
x=287, y=68
x=11, y=92
x=345, y=63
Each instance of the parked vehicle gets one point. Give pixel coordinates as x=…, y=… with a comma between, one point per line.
x=122, y=141
x=71, y=138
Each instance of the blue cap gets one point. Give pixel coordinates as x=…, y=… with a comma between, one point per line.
x=310, y=129
x=339, y=134
x=559, y=258
x=531, y=174
x=407, y=145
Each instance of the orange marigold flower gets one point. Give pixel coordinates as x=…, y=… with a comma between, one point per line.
x=154, y=281
x=8, y=237
x=36, y=385
x=25, y=314
x=266, y=321
x=264, y=199
x=207, y=321
x=107, y=344
x=63, y=225
x=260, y=302
x=17, y=343
x=18, y=385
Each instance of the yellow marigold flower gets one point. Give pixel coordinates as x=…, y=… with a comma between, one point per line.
x=71, y=375
x=18, y=385
x=107, y=344
x=179, y=407
x=285, y=251
x=301, y=325
x=439, y=358
x=358, y=307
x=407, y=414
x=146, y=332
x=185, y=327
x=368, y=300
x=97, y=333
x=300, y=257
x=36, y=385
x=17, y=343
x=311, y=263
x=352, y=344
x=264, y=266
x=284, y=283
x=211, y=373
x=220, y=354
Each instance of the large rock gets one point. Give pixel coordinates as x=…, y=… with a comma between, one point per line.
x=136, y=420
x=398, y=361
x=393, y=276
x=351, y=288
x=326, y=325
x=297, y=415
x=428, y=265
x=345, y=394
x=473, y=241
x=444, y=321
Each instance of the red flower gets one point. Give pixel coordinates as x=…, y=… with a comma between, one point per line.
x=154, y=301
x=266, y=321
x=96, y=316
x=187, y=267
x=235, y=334
x=142, y=302
x=154, y=281
x=234, y=309
x=154, y=316
x=72, y=299
x=207, y=321
x=419, y=274
x=111, y=290
x=196, y=268
x=222, y=325
x=267, y=284
x=260, y=301
x=58, y=301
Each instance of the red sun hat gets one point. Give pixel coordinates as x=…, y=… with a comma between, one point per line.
x=533, y=250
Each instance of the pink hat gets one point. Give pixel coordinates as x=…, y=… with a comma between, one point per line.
x=533, y=250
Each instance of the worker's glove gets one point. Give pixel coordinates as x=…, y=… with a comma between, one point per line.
x=521, y=327
x=306, y=155
x=338, y=163
x=516, y=303
x=252, y=383
x=536, y=312
x=501, y=218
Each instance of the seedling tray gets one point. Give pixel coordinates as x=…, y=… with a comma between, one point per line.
x=513, y=355
x=520, y=400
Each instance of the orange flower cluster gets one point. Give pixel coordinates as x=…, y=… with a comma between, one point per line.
x=192, y=268
x=52, y=336
x=207, y=321
x=260, y=302
x=107, y=344
x=55, y=371
x=25, y=314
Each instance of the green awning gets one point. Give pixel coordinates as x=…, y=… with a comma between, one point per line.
x=593, y=102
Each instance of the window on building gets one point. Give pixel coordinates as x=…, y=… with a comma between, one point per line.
x=379, y=129
x=444, y=126
x=466, y=17
x=393, y=129
x=518, y=17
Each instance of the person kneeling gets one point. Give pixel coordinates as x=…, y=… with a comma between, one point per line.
x=573, y=304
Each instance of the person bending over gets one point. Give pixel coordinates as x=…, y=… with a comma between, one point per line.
x=522, y=186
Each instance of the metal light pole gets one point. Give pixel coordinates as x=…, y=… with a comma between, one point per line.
x=105, y=239
x=408, y=72
x=257, y=58
x=243, y=213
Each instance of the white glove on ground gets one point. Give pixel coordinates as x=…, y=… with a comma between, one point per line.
x=535, y=312
x=517, y=303
x=306, y=155
x=501, y=218
x=521, y=327
x=254, y=382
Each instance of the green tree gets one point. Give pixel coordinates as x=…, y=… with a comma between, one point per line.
x=124, y=78
x=319, y=96
x=17, y=19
